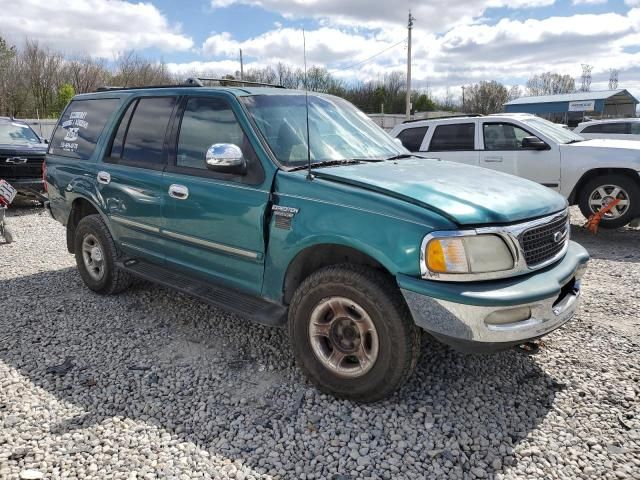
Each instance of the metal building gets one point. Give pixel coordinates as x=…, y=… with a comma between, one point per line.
x=570, y=108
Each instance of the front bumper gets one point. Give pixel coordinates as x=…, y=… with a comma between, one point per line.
x=493, y=315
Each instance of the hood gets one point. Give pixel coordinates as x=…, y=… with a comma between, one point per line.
x=465, y=194
x=606, y=143
x=23, y=149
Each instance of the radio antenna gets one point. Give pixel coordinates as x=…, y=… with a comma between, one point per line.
x=306, y=104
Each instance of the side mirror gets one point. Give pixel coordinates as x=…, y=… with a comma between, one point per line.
x=225, y=158
x=398, y=141
x=534, y=143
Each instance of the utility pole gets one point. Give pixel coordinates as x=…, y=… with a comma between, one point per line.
x=463, y=87
x=241, y=67
x=409, y=27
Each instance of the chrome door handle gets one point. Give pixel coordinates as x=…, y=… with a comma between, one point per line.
x=104, y=178
x=492, y=159
x=178, y=191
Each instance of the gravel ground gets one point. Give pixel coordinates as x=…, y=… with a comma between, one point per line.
x=153, y=384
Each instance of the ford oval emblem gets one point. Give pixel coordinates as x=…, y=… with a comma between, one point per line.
x=559, y=236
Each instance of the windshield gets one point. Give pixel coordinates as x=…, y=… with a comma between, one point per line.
x=338, y=131
x=17, y=133
x=553, y=131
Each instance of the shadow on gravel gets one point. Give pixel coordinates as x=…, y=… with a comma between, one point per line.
x=23, y=206
x=231, y=387
x=619, y=245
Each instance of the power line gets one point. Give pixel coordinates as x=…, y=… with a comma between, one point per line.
x=372, y=56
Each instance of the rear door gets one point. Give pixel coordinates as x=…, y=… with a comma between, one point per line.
x=130, y=177
x=413, y=137
x=214, y=223
x=502, y=150
x=455, y=142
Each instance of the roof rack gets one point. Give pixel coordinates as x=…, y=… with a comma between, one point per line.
x=198, y=82
x=446, y=117
x=194, y=82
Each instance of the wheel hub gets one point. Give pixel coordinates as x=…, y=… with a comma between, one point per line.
x=93, y=257
x=343, y=337
x=602, y=196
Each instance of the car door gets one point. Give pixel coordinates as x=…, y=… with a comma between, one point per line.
x=412, y=137
x=130, y=177
x=503, y=151
x=214, y=223
x=455, y=142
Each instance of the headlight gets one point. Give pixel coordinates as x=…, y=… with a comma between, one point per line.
x=471, y=254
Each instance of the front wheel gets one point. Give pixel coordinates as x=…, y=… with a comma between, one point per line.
x=601, y=191
x=352, y=333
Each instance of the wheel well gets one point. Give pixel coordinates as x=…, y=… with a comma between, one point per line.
x=314, y=258
x=79, y=209
x=598, y=172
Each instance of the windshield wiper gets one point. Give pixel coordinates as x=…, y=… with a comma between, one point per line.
x=331, y=163
x=403, y=155
x=574, y=141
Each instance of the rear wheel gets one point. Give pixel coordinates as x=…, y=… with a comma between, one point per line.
x=96, y=256
x=601, y=191
x=352, y=333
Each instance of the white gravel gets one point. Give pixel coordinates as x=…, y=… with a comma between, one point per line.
x=162, y=386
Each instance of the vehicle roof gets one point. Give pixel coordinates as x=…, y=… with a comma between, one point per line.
x=181, y=90
x=609, y=120
x=456, y=118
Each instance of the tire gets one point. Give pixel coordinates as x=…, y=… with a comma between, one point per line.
x=8, y=235
x=91, y=233
x=371, y=298
x=629, y=192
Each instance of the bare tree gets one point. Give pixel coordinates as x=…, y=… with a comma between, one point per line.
x=133, y=70
x=86, y=74
x=42, y=73
x=550, y=83
x=515, y=92
x=485, y=97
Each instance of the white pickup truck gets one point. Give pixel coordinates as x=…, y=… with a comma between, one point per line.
x=589, y=173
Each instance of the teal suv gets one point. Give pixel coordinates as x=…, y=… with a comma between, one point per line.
x=348, y=240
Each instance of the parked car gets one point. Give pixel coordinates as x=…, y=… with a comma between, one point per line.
x=208, y=191
x=588, y=173
x=620, y=128
x=22, y=154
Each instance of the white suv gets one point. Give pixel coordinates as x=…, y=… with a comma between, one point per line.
x=622, y=129
x=589, y=173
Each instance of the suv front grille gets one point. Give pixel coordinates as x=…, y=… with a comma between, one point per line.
x=32, y=168
x=543, y=243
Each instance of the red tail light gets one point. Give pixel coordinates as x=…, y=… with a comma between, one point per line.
x=44, y=176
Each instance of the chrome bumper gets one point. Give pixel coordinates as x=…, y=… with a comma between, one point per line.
x=489, y=328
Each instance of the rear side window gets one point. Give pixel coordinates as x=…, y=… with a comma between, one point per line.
x=412, y=138
x=635, y=128
x=614, y=128
x=457, y=136
x=141, y=133
x=80, y=127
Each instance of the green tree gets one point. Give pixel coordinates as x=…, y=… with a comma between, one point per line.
x=63, y=97
x=424, y=104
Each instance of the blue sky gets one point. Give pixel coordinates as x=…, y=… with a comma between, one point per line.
x=455, y=43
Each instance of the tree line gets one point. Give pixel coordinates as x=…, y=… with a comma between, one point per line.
x=37, y=81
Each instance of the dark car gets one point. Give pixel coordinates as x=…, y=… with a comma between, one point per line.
x=22, y=154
